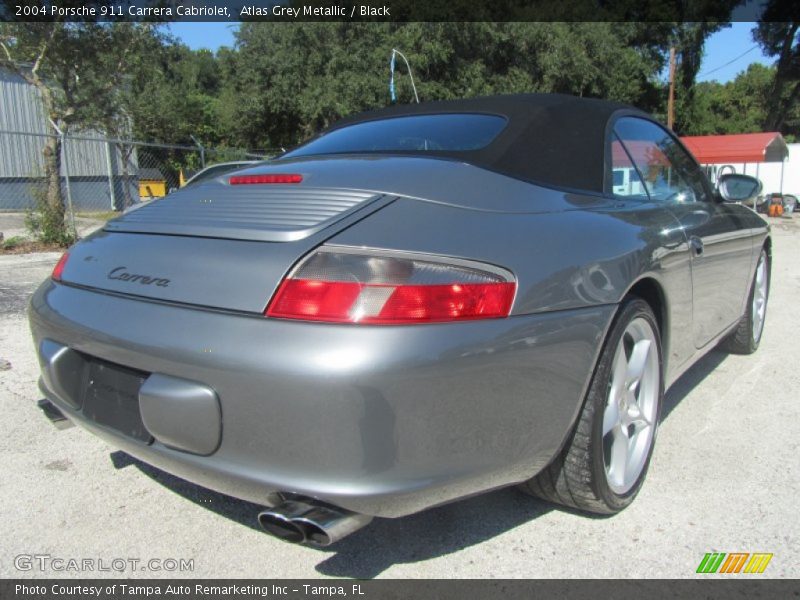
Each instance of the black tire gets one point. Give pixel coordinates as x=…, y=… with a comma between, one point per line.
x=577, y=477
x=743, y=340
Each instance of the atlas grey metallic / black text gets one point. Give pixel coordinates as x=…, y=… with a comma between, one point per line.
x=419, y=304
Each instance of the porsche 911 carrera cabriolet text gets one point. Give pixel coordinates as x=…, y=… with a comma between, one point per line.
x=122, y=10
x=122, y=274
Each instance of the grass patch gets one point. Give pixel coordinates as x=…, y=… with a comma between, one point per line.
x=13, y=242
x=102, y=215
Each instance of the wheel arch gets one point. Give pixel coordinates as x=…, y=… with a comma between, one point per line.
x=651, y=291
x=765, y=245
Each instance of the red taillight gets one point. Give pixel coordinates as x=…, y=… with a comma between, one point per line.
x=314, y=300
x=341, y=287
x=58, y=270
x=270, y=178
x=447, y=302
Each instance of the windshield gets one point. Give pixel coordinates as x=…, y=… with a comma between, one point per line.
x=417, y=133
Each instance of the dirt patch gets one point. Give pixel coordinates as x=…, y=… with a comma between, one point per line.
x=27, y=247
x=59, y=465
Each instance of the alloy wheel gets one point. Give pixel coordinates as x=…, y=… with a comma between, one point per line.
x=629, y=418
x=760, y=298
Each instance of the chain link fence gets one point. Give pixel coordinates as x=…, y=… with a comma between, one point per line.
x=100, y=174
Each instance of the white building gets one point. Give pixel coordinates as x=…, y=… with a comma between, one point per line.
x=763, y=155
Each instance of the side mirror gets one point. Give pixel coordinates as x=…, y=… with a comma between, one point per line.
x=733, y=187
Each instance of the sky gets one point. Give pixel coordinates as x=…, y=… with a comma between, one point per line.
x=734, y=45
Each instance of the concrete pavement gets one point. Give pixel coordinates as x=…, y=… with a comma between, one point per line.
x=725, y=477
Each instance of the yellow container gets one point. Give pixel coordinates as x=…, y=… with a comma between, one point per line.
x=152, y=188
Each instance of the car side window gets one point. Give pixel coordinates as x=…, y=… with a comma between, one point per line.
x=665, y=169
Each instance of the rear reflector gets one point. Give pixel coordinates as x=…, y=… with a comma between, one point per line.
x=342, y=287
x=58, y=270
x=271, y=178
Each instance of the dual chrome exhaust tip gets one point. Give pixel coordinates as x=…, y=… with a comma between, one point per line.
x=301, y=522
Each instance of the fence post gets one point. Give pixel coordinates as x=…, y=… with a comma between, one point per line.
x=110, y=176
x=202, y=152
x=68, y=186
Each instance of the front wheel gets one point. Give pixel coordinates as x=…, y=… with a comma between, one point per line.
x=603, y=465
x=747, y=335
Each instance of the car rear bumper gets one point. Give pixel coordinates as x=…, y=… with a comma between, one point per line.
x=379, y=420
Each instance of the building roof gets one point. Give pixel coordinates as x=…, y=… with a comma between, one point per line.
x=638, y=150
x=739, y=148
x=550, y=139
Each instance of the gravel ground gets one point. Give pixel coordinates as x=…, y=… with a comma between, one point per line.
x=724, y=478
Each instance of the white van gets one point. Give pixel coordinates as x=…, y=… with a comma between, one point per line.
x=627, y=183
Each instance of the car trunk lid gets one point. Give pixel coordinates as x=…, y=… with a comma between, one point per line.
x=267, y=213
x=232, y=257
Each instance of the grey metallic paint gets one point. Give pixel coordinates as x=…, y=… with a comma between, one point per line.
x=379, y=420
x=231, y=274
x=389, y=420
x=218, y=209
x=181, y=414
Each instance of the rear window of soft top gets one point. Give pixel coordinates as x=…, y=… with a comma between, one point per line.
x=459, y=132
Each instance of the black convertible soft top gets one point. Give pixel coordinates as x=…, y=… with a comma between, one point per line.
x=552, y=139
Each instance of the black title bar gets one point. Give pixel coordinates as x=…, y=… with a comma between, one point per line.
x=394, y=10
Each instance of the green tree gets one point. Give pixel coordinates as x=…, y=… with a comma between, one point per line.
x=78, y=70
x=285, y=81
x=173, y=95
x=738, y=106
x=741, y=105
x=779, y=37
x=689, y=39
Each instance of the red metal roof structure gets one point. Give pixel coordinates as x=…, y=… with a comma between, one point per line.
x=738, y=148
x=643, y=153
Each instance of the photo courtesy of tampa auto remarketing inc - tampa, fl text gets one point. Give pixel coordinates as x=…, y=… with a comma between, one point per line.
x=392, y=299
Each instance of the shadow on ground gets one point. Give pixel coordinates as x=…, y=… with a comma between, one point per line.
x=385, y=542
x=430, y=534
x=690, y=380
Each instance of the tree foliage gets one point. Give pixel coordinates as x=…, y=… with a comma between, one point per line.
x=780, y=39
x=79, y=71
x=174, y=95
x=283, y=82
x=741, y=105
x=734, y=107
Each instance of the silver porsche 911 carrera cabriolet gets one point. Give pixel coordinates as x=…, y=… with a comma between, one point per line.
x=421, y=303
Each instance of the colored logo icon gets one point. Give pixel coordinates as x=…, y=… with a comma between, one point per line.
x=734, y=562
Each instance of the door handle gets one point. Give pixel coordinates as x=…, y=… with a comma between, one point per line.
x=697, y=246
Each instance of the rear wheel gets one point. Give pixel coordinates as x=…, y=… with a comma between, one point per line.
x=603, y=465
x=747, y=335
